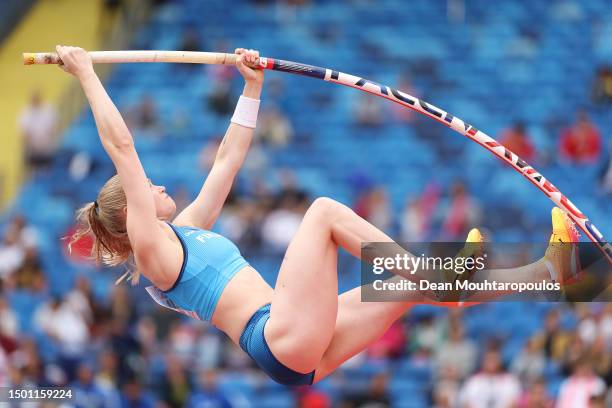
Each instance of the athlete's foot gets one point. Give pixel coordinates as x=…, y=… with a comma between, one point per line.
x=561, y=257
x=473, y=248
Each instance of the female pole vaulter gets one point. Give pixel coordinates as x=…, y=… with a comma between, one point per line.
x=300, y=331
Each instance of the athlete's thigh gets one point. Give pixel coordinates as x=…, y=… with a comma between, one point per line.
x=305, y=300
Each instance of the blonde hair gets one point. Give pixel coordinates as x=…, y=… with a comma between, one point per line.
x=104, y=219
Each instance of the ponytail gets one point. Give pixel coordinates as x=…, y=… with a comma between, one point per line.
x=104, y=220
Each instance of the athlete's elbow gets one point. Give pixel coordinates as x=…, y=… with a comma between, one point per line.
x=119, y=144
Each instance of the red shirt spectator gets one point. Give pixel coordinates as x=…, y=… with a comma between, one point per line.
x=577, y=390
x=581, y=142
x=464, y=212
x=517, y=140
x=391, y=344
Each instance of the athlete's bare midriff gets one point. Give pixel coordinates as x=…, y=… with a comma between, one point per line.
x=245, y=293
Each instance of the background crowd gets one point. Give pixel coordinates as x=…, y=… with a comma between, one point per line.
x=63, y=322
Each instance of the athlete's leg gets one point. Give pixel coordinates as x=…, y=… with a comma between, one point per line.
x=305, y=301
x=359, y=324
x=305, y=304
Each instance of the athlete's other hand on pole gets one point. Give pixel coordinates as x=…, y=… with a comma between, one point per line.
x=245, y=60
x=74, y=60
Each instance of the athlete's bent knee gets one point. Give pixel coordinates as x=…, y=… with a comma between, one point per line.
x=324, y=207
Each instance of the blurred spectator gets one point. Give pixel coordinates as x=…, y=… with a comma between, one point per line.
x=66, y=328
x=147, y=337
x=175, y=387
x=220, y=100
x=391, y=344
x=29, y=365
x=11, y=256
x=133, y=395
x=18, y=379
x=602, y=87
x=235, y=358
x=208, y=348
x=601, y=358
x=86, y=391
x=375, y=396
x=587, y=326
x=107, y=378
x=18, y=238
x=107, y=16
x=553, y=339
x=190, y=41
x=518, y=141
x=9, y=325
x=128, y=349
x=415, y=224
x=577, y=390
x=368, y=111
x=426, y=336
x=5, y=369
x=80, y=299
x=457, y=354
x=529, y=365
x=38, y=126
x=373, y=205
x=281, y=224
x=27, y=235
x=581, y=142
x=312, y=398
x=241, y=223
x=446, y=389
x=536, y=396
x=208, y=394
x=81, y=166
x=492, y=387
x=274, y=128
x=576, y=349
x=30, y=275
x=463, y=213
x=144, y=116
x=181, y=341
x=605, y=325
x=121, y=304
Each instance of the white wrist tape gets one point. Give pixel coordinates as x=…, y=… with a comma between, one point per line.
x=246, y=112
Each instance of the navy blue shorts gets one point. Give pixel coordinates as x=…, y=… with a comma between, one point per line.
x=253, y=342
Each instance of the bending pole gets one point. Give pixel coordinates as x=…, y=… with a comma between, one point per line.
x=365, y=85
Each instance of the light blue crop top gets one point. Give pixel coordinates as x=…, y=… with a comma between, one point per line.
x=210, y=262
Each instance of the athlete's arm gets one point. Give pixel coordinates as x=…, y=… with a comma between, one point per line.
x=144, y=232
x=205, y=209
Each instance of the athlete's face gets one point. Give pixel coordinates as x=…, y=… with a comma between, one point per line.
x=165, y=207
